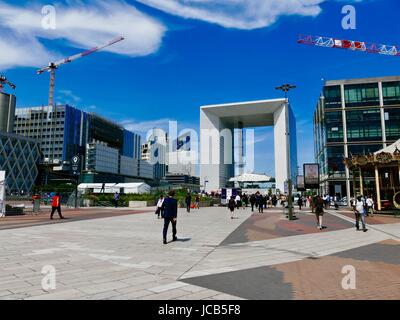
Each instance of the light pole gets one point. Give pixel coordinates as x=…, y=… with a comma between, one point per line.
x=286, y=88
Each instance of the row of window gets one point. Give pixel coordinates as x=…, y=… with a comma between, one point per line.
x=363, y=125
x=359, y=95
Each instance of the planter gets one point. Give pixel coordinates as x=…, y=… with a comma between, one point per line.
x=137, y=204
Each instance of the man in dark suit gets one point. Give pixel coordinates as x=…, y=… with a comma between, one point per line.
x=170, y=208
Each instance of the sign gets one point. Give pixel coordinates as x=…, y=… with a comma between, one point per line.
x=311, y=175
x=75, y=162
x=300, y=184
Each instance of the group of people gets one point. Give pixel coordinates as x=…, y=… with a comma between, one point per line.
x=256, y=200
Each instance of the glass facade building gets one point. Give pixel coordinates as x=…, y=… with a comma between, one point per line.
x=19, y=158
x=353, y=117
x=66, y=131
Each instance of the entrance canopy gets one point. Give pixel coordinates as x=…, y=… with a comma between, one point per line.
x=251, y=177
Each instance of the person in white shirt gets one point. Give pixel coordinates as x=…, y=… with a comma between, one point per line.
x=160, y=207
x=238, y=202
x=370, y=206
x=359, y=211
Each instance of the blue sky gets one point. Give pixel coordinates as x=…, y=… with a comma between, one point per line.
x=180, y=55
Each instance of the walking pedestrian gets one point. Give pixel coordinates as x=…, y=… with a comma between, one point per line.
x=116, y=199
x=159, y=210
x=370, y=206
x=188, y=201
x=260, y=203
x=56, y=206
x=360, y=213
x=232, y=206
x=238, y=202
x=300, y=202
x=197, y=202
x=252, y=202
x=170, y=209
x=319, y=211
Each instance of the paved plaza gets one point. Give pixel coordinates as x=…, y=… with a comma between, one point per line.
x=118, y=254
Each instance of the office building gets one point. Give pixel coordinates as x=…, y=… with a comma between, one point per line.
x=109, y=153
x=354, y=117
x=7, y=112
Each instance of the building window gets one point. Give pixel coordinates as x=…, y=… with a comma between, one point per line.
x=392, y=124
x=362, y=95
x=364, y=125
x=333, y=97
x=334, y=126
x=364, y=149
x=391, y=93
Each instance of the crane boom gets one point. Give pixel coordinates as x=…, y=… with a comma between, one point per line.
x=4, y=81
x=79, y=55
x=51, y=68
x=326, y=42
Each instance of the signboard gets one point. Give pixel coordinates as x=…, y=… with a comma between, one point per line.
x=311, y=175
x=76, y=168
x=300, y=184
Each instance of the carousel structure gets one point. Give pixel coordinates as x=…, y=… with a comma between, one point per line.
x=378, y=175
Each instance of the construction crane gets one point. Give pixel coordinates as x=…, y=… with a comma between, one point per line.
x=4, y=81
x=51, y=68
x=326, y=42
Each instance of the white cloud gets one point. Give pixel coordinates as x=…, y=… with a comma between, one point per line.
x=67, y=97
x=145, y=126
x=80, y=25
x=240, y=14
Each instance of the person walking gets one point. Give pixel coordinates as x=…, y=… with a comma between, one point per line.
x=360, y=213
x=252, y=202
x=197, y=202
x=188, y=201
x=274, y=200
x=370, y=206
x=300, y=202
x=116, y=199
x=170, y=209
x=238, y=202
x=260, y=203
x=56, y=206
x=319, y=211
x=159, y=210
x=232, y=206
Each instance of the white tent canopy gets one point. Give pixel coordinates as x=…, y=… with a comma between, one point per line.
x=390, y=149
x=251, y=177
x=128, y=188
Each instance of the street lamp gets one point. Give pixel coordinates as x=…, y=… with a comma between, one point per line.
x=286, y=88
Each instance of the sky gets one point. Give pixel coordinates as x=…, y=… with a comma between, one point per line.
x=181, y=54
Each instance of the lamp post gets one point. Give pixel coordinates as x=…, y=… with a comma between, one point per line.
x=286, y=88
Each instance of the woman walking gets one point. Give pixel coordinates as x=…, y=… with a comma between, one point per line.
x=232, y=206
x=319, y=211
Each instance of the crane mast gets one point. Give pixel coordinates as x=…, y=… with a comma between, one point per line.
x=51, y=68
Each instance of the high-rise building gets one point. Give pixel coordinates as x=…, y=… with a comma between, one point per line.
x=109, y=153
x=7, y=112
x=354, y=117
